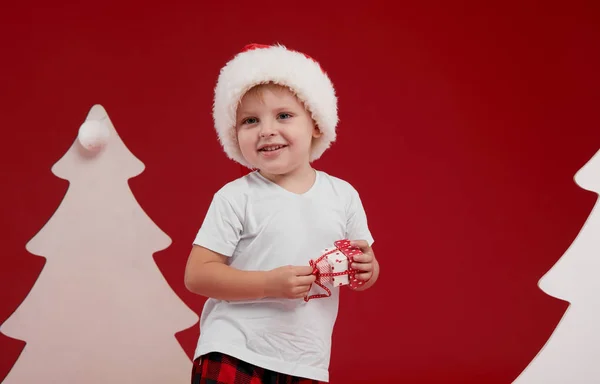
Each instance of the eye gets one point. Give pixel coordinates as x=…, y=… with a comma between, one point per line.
x=284, y=115
x=250, y=120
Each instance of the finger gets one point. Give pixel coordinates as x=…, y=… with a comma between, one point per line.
x=305, y=280
x=362, y=244
x=303, y=270
x=366, y=257
x=364, y=276
x=366, y=267
x=302, y=289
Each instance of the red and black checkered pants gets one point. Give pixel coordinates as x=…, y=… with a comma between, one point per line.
x=218, y=368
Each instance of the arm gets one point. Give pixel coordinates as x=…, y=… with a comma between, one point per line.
x=208, y=274
x=360, y=236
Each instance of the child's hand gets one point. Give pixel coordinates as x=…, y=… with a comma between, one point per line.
x=365, y=263
x=291, y=282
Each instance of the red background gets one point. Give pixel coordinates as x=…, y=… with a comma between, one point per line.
x=461, y=126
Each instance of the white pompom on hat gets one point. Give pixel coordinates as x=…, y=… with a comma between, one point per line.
x=262, y=64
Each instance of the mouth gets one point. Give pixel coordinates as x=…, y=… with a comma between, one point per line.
x=271, y=147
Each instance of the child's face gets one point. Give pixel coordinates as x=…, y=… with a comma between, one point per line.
x=275, y=132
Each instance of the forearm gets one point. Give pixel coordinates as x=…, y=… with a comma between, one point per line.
x=220, y=281
x=373, y=278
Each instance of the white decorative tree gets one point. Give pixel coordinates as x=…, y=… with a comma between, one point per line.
x=100, y=311
x=572, y=354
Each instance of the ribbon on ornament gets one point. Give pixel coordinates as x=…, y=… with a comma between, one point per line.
x=333, y=267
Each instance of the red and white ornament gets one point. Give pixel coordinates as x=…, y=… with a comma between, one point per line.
x=349, y=251
x=93, y=135
x=332, y=268
x=338, y=262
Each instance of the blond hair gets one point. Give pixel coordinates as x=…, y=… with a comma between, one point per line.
x=258, y=90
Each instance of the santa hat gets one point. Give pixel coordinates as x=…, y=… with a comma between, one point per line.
x=261, y=64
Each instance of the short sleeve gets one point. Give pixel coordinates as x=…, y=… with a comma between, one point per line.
x=221, y=228
x=357, y=227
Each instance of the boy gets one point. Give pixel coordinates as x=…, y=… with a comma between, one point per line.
x=275, y=111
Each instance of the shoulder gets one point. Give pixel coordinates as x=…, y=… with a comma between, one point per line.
x=240, y=191
x=340, y=186
x=239, y=187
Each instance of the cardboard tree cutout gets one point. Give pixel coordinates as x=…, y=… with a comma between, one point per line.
x=100, y=311
x=571, y=354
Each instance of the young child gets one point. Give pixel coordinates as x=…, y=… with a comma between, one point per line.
x=275, y=112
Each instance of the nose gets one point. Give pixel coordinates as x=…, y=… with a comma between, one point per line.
x=266, y=129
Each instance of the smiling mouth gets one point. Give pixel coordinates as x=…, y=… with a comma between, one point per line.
x=271, y=148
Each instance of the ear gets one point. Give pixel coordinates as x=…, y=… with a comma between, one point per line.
x=316, y=132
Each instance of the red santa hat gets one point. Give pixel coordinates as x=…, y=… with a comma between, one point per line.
x=261, y=64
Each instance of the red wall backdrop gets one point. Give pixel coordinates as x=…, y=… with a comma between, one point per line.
x=461, y=125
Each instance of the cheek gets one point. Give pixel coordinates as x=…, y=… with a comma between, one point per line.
x=244, y=139
x=307, y=139
x=302, y=137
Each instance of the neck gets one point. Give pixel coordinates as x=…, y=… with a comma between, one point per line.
x=297, y=181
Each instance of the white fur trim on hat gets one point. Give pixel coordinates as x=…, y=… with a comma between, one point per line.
x=260, y=64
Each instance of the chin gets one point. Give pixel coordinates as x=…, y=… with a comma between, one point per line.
x=277, y=169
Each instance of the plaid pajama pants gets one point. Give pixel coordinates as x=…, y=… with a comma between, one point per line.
x=218, y=368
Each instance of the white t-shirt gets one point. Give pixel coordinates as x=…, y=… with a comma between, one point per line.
x=262, y=226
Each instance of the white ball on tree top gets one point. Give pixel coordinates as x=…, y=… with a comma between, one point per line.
x=93, y=135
